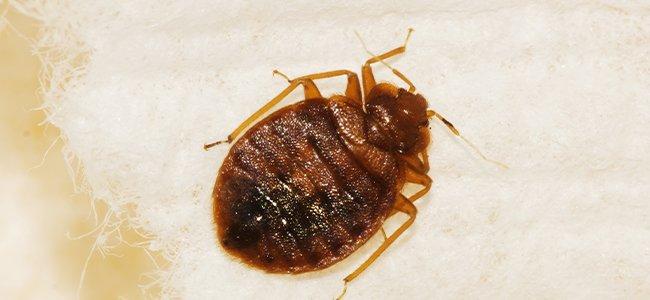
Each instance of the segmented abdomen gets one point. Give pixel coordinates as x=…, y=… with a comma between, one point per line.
x=290, y=197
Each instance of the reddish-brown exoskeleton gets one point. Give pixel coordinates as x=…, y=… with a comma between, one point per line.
x=309, y=184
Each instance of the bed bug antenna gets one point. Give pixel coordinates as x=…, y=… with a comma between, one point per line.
x=432, y=113
x=320, y=125
x=380, y=58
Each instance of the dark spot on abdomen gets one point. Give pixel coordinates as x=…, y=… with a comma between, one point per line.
x=292, y=198
x=357, y=229
x=239, y=236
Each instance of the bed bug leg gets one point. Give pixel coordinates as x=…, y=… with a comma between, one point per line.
x=311, y=91
x=231, y=137
x=276, y=72
x=401, y=204
x=421, y=179
x=345, y=289
x=414, y=176
x=425, y=160
x=383, y=232
x=420, y=164
x=431, y=113
x=353, y=89
x=366, y=71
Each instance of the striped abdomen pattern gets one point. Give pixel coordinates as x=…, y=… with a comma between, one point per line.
x=297, y=193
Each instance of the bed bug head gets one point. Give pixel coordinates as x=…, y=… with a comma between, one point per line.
x=397, y=119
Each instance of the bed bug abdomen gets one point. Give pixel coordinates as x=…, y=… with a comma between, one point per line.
x=292, y=195
x=306, y=186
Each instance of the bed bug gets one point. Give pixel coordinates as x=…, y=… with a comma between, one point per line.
x=307, y=185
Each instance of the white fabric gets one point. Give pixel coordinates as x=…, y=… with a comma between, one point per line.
x=559, y=92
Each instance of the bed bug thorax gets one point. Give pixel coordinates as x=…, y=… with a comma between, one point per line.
x=310, y=183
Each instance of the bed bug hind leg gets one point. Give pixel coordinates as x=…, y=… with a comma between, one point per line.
x=310, y=90
x=231, y=137
x=366, y=71
x=402, y=204
x=353, y=91
x=383, y=232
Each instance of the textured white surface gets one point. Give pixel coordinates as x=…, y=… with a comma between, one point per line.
x=560, y=92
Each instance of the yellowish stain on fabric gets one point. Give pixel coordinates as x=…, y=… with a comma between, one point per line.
x=38, y=206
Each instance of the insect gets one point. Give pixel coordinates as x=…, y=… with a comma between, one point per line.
x=310, y=183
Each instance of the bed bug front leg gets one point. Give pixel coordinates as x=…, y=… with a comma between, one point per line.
x=366, y=71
